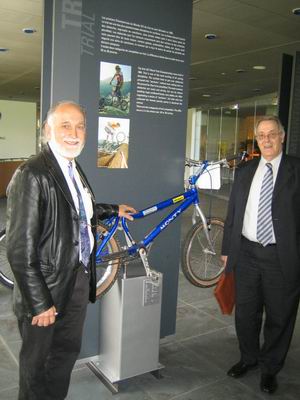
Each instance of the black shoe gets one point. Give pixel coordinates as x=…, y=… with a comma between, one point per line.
x=268, y=383
x=240, y=369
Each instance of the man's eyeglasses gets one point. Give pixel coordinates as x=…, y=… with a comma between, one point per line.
x=272, y=136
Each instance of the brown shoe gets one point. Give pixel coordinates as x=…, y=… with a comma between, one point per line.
x=240, y=369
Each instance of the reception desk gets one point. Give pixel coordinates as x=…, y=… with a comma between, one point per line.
x=7, y=169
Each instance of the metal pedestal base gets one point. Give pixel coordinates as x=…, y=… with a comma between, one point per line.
x=114, y=386
x=129, y=330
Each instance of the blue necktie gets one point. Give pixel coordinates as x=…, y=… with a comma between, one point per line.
x=264, y=217
x=83, y=226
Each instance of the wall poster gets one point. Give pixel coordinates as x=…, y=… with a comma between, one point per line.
x=114, y=102
x=142, y=70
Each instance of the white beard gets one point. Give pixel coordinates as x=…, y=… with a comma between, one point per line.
x=67, y=153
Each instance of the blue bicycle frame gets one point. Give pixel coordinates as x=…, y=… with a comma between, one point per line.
x=187, y=198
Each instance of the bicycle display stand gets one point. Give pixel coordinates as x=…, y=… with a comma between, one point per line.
x=129, y=330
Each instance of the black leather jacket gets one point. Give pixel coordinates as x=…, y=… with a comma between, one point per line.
x=42, y=236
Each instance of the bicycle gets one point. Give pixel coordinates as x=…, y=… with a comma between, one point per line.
x=115, y=100
x=200, y=260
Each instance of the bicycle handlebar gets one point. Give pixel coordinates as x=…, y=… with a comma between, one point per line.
x=197, y=163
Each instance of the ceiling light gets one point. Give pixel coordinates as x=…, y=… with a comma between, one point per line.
x=256, y=90
x=239, y=71
x=296, y=11
x=192, y=78
x=210, y=36
x=234, y=107
x=223, y=73
x=3, y=49
x=29, y=31
x=206, y=95
x=259, y=67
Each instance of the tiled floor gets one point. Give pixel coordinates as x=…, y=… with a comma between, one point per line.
x=196, y=358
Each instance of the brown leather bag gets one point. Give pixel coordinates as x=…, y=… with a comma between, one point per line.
x=225, y=292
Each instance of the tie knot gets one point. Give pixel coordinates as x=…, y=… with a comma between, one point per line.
x=269, y=165
x=71, y=170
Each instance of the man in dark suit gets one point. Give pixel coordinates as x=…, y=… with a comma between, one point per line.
x=50, y=246
x=262, y=244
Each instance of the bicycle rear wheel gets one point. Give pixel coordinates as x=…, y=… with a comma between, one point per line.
x=106, y=271
x=6, y=275
x=199, y=267
x=123, y=105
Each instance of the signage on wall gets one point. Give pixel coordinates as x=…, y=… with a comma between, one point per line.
x=142, y=75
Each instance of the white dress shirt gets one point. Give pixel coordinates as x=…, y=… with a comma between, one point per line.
x=250, y=216
x=85, y=194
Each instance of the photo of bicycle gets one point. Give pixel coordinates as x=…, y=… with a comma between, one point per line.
x=115, y=88
x=113, y=142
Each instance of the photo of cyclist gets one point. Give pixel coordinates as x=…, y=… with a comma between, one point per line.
x=114, y=89
x=119, y=80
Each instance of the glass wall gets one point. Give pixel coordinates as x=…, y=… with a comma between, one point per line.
x=224, y=131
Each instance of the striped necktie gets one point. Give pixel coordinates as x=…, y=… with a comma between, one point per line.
x=83, y=225
x=264, y=232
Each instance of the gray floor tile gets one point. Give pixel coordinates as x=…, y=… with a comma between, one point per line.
x=8, y=368
x=191, y=294
x=9, y=329
x=183, y=372
x=192, y=322
x=9, y=394
x=6, y=302
x=221, y=390
x=220, y=347
x=211, y=307
x=85, y=385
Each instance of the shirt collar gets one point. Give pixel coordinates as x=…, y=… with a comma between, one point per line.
x=275, y=162
x=62, y=161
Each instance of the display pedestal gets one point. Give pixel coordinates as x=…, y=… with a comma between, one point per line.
x=129, y=330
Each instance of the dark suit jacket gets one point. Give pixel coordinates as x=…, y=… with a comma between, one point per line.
x=285, y=214
x=43, y=236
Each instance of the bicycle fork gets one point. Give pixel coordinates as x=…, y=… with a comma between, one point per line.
x=210, y=249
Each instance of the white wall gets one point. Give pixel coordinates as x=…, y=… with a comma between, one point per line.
x=190, y=133
x=18, y=128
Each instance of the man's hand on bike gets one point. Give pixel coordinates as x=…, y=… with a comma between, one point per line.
x=46, y=318
x=125, y=211
x=224, y=260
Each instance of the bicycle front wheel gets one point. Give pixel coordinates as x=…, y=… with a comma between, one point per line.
x=199, y=265
x=6, y=275
x=106, y=271
x=108, y=100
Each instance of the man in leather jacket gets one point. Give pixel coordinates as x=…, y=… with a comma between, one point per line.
x=53, y=282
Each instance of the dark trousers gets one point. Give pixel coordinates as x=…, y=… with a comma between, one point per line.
x=262, y=290
x=48, y=354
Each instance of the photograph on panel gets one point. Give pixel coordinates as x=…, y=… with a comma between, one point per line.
x=115, y=88
x=113, y=142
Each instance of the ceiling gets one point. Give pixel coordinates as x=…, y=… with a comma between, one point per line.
x=249, y=33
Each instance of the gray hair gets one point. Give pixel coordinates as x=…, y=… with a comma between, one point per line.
x=270, y=118
x=52, y=111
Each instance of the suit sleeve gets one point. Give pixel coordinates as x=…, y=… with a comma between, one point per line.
x=24, y=225
x=104, y=211
x=228, y=226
